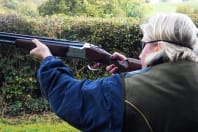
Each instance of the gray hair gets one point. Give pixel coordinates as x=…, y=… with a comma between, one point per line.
x=180, y=32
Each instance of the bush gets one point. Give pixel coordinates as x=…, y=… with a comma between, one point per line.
x=14, y=23
x=194, y=18
x=18, y=72
x=186, y=9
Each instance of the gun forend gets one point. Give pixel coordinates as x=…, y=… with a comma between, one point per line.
x=56, y=49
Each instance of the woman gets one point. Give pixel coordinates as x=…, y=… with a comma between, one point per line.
x=163, y=96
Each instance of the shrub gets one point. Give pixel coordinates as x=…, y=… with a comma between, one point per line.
x=186, y=9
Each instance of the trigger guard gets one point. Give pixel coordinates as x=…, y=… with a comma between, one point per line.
x=92, y=69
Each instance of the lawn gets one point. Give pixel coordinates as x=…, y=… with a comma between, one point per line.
x=35, y=123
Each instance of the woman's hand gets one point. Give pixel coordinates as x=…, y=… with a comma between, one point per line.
x=112, y=68
x=41, y=51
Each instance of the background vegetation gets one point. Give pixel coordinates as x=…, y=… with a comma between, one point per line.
x=111, y=24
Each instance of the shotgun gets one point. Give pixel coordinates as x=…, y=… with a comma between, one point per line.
x=74, y=49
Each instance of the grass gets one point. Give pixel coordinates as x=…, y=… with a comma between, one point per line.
x=35, y=123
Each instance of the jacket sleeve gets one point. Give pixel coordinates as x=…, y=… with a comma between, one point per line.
x=87, y=105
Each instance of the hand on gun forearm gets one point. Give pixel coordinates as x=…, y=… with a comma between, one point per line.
x=112, y=68
x=41, y=51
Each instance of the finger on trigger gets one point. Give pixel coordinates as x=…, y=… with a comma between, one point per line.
x=108, y=68
x=113, y=70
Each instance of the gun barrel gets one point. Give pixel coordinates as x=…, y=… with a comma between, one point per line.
x=10, y=38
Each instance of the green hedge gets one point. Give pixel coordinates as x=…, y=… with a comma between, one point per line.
x=19, y=90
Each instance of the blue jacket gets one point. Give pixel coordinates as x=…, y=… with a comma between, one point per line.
x=161, y=98
x=89, y=105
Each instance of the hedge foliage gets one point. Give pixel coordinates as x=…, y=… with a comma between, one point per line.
x=19, y=90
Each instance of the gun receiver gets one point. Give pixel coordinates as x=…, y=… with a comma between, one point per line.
x=74, y=49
